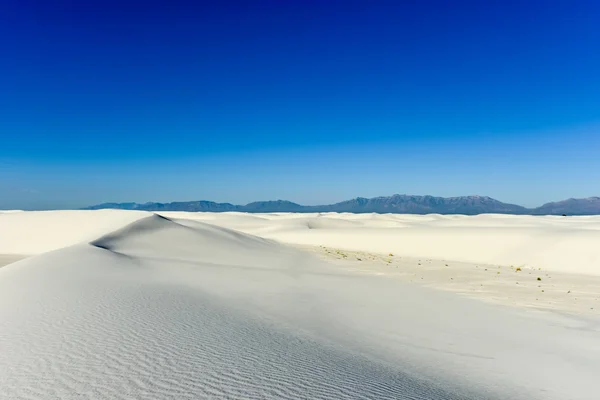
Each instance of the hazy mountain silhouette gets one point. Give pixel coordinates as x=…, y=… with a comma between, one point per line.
x=587, y=206
x=405, y=204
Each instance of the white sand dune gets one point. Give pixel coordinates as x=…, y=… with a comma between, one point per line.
x=6, y=259
x=36, y=232
x=553, y=243
x=161, y=308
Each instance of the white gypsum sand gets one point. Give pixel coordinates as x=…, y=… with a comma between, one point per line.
x=36, y=232
x=518, y=286
x=553, y=243
x=6, y=259
x=175, y=308
x=496, y=258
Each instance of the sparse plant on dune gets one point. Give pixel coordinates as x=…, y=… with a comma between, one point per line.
x=341, y=253
x=518, y=269
x=539, y=279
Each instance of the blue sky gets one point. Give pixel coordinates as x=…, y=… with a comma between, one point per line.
x=310, y=101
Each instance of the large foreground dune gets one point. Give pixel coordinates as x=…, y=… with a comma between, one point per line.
x=122, y=305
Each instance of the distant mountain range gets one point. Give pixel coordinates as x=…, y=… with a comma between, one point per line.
x=401, y=204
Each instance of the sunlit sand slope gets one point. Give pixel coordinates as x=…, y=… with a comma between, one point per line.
x=173, y=308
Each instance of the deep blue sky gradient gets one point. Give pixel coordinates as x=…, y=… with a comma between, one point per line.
x=311, y=101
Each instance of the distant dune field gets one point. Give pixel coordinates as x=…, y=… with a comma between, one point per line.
x=565, y=244
x=135, y=305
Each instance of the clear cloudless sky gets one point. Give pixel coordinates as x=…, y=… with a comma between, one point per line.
x=309, y=101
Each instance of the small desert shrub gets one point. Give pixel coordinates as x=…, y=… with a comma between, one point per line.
x=518, y=269
x=391, y=255
x=539, y=279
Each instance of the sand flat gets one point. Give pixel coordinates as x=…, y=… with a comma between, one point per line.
x=515, y=286
x=174, y=307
